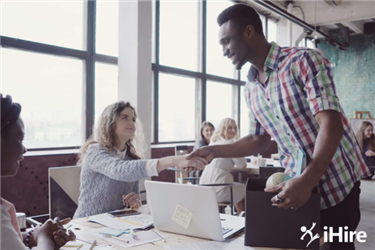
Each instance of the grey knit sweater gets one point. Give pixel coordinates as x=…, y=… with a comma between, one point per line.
x=105, y=177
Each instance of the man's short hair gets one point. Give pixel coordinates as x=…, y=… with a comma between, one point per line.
x=242, y=15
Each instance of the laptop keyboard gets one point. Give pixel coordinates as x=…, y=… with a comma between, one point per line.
x=226, y=230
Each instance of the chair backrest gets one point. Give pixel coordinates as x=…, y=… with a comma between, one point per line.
x=63, y=191
x=179, y=174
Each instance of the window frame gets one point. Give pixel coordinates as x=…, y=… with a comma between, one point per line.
x=201, y=75
x=88, y=56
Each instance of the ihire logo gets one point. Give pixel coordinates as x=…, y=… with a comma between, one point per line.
x=342, y=235
x=309, y=232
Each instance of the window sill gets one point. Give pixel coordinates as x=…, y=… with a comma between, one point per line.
x=172, y=145
x=52, y=152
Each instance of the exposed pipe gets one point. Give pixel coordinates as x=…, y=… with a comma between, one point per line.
x=296, y=20
x=289, y=25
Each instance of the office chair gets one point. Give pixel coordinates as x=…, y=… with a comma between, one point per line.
x=63, y=191
x=223, y=204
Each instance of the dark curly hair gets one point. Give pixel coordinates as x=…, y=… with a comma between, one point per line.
x=10, y=111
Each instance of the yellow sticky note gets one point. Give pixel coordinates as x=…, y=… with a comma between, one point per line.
x=182, y=216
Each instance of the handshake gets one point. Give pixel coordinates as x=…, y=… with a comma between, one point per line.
x=197, y=160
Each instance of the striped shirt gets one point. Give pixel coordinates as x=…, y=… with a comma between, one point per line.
x=299, y=85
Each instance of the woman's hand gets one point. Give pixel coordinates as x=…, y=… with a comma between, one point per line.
x=131, y=201
x=43, y=234
x=194, y=163
x=370, y=153
x=61, y=237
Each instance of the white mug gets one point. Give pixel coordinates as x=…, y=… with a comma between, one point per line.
x=261, y=162
x=21, y=218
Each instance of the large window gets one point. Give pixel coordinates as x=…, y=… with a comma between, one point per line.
x=217, y=64
x=58, y=59
x=219, y=102
x=107, y=27
x=56, y=22
x=46, y=87
x=194, y=82
x=106, y=87
x=177, y=106
x=179, y=34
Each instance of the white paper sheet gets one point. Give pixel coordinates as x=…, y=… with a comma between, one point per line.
x=142, y=221
x=73, y=245
x=234, y=244
x=144, y=237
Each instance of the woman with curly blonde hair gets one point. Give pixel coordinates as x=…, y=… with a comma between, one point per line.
x=112, y=163
x=218, y=171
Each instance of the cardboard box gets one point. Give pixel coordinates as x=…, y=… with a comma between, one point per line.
x=270, y=226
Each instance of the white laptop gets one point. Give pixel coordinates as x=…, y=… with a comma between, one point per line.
x=206, y=222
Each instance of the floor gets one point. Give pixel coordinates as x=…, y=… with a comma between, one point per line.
x=367, y=223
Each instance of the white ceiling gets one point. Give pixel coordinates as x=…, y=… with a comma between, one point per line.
x=324, y=13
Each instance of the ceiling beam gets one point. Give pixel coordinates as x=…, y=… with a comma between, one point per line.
x=357, y=28
x=345, y=12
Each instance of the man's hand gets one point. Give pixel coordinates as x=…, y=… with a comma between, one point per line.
x=294, y=193
x=195, y=163
x=205, y=152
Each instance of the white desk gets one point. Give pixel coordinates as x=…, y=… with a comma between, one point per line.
x=81, y=226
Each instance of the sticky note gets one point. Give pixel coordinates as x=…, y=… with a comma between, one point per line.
x=182, y=216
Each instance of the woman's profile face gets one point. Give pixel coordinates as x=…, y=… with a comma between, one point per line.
x=368, y=131
x=12, y=148
x=207, y=132
x=231, y=130
x=125, y=124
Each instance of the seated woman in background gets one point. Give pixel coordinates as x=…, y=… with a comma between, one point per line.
x=366, y=139
x=112, y=165
x=206, y=132
x=51, y=234
x=218, y=171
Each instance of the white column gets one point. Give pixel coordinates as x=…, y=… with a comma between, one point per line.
x=134, y=61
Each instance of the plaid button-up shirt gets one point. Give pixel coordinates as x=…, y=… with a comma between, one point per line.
x=299, y=85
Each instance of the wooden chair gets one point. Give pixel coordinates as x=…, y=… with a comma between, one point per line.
x=359, y=114
x=63, y=191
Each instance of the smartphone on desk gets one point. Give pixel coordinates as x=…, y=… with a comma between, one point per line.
x=121, y=213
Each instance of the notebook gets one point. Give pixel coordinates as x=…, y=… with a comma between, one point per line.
x=190, y=210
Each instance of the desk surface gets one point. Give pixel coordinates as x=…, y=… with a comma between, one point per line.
x=81, y=226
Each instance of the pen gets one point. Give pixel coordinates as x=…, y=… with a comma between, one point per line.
x=135, y=223
x=159, y=236
x=134, y=235
x=117, y=238
x=93, y=245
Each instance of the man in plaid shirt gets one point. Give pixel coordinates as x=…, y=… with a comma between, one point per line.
x=291, y=97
